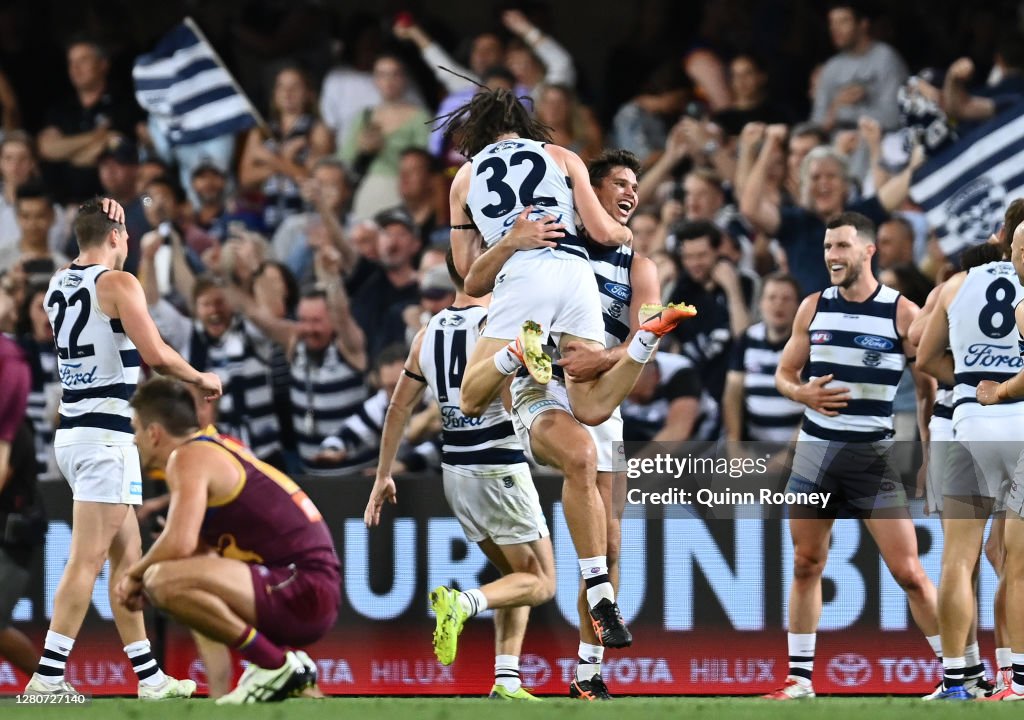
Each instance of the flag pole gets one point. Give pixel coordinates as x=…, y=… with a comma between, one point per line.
x=238, y=88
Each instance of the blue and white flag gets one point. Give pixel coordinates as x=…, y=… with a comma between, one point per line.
x=188, y=91
x=965, y=189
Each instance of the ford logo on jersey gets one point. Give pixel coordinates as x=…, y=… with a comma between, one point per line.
x=873, y=342
x=820, y=336
x=622, y=292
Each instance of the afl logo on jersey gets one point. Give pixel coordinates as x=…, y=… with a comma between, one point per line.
x=452, y=321
x=873, y=342
x=820, y=337
x=71, y=280
x=618, y=290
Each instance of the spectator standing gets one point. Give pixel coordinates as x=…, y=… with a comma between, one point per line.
x=383, y=297
x=378, y=136
x=713, y=286
x=279, y=163
x=753, y=408
x=863, y=78
x=79, y=127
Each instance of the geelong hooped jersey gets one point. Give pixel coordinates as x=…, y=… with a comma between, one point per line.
x=857, y=342
x=512, y=174
x=943, y=407
x=98, y=365
x=486, y=444
x=770, y=416
x=612, y=265
x=982, y=330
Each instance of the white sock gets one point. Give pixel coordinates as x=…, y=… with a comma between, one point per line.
x=506, y=672
x=590, y=657
x=972, y=659
x=952, y=672
x=1003, y=657
x=642, y=346
x=144, y=664
x=936, y=643
x=473, y=601
x=1017, y=662
x=56, y=648
x=506, y=361
x=595, y=576
x=801, y=656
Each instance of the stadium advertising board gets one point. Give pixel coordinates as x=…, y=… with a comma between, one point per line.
x=705, y=599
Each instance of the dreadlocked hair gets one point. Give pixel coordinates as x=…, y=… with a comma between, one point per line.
x=487, y=115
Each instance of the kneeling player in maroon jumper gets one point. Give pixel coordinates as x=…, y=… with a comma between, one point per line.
x=245, y=558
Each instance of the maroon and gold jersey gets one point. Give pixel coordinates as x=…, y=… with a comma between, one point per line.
x=266, y=519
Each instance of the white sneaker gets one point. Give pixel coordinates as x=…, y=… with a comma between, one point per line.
x=260, y=685
x=934, y=693
x=792, y=690
x=38, y=686
x=169, y=689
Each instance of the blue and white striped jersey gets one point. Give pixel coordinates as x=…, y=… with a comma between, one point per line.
x=512, y=174
x=982, y=330
x=612, y=266
x=98, y=365
x=323, y=395
x=769, y=415
x=484, y=445
x=858, y=343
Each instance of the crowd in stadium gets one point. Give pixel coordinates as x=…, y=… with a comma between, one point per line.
x=299, y=258
x=294, y=226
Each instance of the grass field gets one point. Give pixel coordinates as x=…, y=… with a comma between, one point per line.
x=674, y=708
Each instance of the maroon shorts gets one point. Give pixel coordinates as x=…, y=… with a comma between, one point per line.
x=295, y=606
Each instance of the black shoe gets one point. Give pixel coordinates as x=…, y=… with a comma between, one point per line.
x=609, y=626
x=592, y=689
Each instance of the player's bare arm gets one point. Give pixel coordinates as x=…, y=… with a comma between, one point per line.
x=921, y=321
x=121, y=296
x=601, y=227
x=192, y=476
x=465, y=238
x=906, y=314
x=813, y=394
x=932, y=357
x=407, y=395
x=526, y=234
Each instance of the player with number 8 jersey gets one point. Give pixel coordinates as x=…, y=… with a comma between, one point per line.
x=975, y=317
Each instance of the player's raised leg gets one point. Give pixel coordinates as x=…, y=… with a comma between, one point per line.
x=594, y=402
